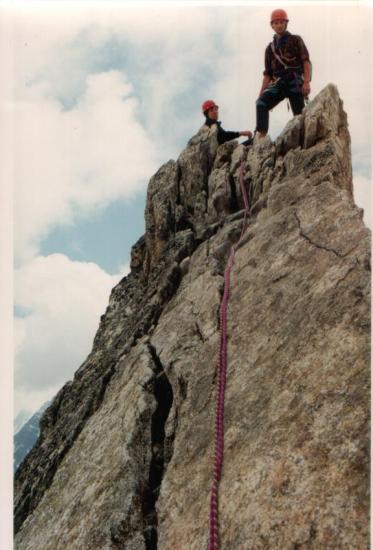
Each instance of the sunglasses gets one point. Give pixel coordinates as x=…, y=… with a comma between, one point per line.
x=216, y=108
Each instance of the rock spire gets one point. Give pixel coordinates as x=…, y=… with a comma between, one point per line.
x=124, y=458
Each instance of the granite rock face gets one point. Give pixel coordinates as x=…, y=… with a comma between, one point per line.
x=124, y=459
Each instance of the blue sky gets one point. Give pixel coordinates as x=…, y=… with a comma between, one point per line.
x=104, y=238
x=102, y=95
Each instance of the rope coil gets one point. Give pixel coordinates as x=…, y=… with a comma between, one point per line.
x=221, y=369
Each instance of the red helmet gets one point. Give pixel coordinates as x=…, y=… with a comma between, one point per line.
x=206, y=105
x=279, y=14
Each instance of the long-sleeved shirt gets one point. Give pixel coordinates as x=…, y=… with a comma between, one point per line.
x=291, y=49
x=222, y=135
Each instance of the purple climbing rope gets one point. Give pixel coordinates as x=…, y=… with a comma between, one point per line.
x=221, y=369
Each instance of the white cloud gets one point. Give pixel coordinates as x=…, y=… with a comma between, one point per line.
x=76, y=160
x=166, y=47
x=68, y=162
x=71, y=161
x=65, y=300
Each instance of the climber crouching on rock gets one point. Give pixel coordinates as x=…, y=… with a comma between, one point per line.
x=211, y=112
x=287, y=72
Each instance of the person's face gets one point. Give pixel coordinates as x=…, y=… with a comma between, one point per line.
x=279, y=26
x=214, y=113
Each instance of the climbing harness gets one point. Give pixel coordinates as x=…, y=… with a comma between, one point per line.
x=288, y=67
x=281, y=59
x=221, y=369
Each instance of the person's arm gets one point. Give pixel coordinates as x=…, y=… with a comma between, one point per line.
x=246, y=133
x=225, y=135
x=267, y=73
x=304, y=57
x=306, y=88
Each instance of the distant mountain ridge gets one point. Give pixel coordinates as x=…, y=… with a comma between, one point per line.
x=21, y=419
x=27, y=434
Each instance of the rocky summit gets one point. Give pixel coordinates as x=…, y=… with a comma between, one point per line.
x=125, y=454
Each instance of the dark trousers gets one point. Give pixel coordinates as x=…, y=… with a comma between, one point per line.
x=276, y=92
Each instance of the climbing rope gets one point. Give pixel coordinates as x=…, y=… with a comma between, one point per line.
x=221, y=369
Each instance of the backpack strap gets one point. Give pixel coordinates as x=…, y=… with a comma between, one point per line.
x=277, y=56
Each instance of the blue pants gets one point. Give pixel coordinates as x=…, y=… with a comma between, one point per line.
x=276, y=92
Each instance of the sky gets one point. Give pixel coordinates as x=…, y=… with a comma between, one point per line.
x=95, y=97
x=102, y=95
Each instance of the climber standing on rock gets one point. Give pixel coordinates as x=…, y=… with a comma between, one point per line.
x=287, y=72
x=211, y=112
